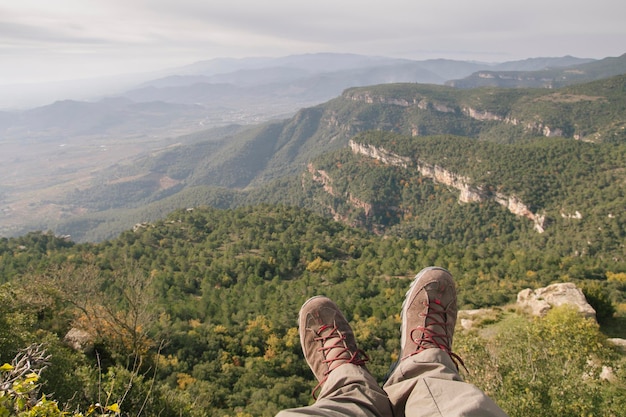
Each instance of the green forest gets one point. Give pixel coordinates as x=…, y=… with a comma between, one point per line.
x=196, y=314
x=193, y=310
x=235, y=165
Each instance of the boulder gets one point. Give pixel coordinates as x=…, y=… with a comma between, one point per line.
x=468, y=319
x=607, y=373
x=620, y=343
x=79, y=340
x=541, y=300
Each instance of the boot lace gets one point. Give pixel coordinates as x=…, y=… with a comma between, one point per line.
x=435, y=316
x=358, y=357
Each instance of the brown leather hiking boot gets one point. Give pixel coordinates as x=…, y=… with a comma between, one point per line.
x=327, y=338
x=429, y=314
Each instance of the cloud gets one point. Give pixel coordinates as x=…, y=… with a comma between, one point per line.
x=18, y=34
x=134, y=35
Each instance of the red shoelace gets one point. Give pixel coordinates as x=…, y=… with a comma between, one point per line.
x=430, y=338
x=358, y=357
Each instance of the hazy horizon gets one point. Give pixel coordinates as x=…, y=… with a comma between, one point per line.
x=23, y=96
x=44, y=41
x=43, y=45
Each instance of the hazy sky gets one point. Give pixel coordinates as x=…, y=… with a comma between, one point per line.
x=44, y=40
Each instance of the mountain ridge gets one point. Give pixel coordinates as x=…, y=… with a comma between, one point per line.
x=552, y=76
x=267, y=163
x=248, y=157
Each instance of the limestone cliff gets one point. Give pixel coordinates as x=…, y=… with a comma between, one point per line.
x=321, y=177
x=422, y=102
x=468, y=193
x=482, y=115
x=369, y=98
x=381, y=154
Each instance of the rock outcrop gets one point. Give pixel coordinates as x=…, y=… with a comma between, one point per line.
x=424, y=103
x=481, y=115
x=541, y=300
x=79, y=340
x=468, y=319
x=320, y=176
x=620, y=343
x=369, y=98
x=467, y=192
x=386, y=157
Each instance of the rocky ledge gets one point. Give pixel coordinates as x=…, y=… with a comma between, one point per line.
x=468, y=192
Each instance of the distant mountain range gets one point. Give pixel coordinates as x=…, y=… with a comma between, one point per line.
x=535, y=153
x=550, y=76
x=252, y=90
x=212, y=134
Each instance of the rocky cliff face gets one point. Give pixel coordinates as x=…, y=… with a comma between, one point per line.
x=370, y=98
x=481, y=115
x=321, y=177
x=468, y=193
x=386, y=157
x=423, y=103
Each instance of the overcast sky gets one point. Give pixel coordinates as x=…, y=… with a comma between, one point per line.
x=45, y=40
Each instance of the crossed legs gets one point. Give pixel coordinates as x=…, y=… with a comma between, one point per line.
x=424, y=382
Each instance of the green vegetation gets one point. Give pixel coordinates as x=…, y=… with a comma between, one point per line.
x=196, y=314
x=547, y=78
x=193, y=311
x=577, y=186
x=543, y=172
x=557, y=360
x=20, y=385
x=236, y=165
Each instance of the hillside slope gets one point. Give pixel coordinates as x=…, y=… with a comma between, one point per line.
x=552, y=76
x=245, y=162
x=209, y=299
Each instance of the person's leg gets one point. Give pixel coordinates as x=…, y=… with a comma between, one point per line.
x=426, y=381
x=329, y=346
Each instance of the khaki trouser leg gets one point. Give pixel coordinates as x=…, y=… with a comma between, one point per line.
x=428, y=384
x=350, y=390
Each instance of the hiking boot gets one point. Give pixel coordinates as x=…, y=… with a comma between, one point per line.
x=429, y=314
x=327, y=338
